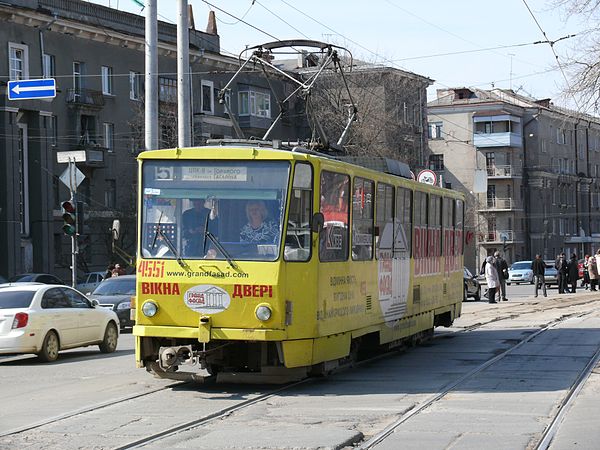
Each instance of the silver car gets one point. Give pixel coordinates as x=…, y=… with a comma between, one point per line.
x=520, y=272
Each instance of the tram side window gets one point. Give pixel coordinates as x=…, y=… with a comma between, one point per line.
x=448, y=224
x=403, y=226
x=333, y=239
x=420, y=250
x=434, y=226
x=298, y=237
x=384, y=217
x=459, y=227
x=362, y=220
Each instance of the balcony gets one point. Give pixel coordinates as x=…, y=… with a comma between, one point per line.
x=501, y=237
x=495, y=204
x=506, y=139
x=504, y=172
x=85, y=97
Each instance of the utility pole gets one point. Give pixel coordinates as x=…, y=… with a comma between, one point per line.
x=71, y=214
x=151, y=76
x=183, y=76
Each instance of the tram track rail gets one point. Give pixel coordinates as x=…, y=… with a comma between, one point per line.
x=549, y=432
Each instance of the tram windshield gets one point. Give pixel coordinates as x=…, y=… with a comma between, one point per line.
x=230, y=210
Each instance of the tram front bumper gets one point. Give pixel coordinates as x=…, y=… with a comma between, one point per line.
x=206, y=334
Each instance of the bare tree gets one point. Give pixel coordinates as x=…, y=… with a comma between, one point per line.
x=583, y=65
x=390, y=115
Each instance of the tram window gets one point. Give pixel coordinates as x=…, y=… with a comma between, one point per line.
x=434, y=225
x=459, y=227
x=298, y=237
x=333, y=239
x=448, y=226
x=362, y=220
x=384, y=217
x=420, y=215
x=403, y=223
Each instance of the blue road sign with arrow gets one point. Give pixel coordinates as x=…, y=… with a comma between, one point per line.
x=31, y=89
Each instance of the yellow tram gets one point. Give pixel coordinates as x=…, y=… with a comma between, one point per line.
x=266, y=263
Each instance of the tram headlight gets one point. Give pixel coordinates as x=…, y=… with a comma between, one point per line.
x=263, y=313
x=149, y=309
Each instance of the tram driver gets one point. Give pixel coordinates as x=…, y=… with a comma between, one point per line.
x=193, y=222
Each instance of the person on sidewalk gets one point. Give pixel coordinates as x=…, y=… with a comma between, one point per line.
x=561, y=268
x=491, y=276
x=593, y=270
x=586, y=273
x=502, y=269
x=573, y=272
x=538, y=266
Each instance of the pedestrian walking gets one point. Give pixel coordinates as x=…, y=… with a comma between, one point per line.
x=493, y=281
x=538, y=266
x=586, y=273
x=502, y=269
x=573, y=272
x=561, y=269
x=593, y=270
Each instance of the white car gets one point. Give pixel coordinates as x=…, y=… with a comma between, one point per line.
x=520, y=272
x=44, y=319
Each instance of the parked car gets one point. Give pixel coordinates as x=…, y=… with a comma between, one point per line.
x=520, y=272
x=44, y=278
x=550, y=274
x=3, y=280
x=472, y=287
x=90, y=281
x=115, y=293
x=44, y=319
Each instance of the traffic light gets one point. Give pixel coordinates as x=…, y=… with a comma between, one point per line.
x=69, y=217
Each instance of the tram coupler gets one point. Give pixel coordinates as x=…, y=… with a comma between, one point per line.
x=171, y=357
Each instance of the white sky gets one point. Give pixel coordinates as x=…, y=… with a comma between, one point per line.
x=403, y=33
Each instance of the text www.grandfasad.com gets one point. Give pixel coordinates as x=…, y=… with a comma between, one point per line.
x=207, y=273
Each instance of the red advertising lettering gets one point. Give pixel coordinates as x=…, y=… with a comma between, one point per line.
x=151, y=288
x=252, y=290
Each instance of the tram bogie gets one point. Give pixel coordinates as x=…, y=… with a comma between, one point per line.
x=263, y=262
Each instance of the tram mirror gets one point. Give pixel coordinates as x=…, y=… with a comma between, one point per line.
x=318, y=221
x=116, y=229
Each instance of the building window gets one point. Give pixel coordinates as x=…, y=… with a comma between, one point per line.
x=18, y=61
x=434, y=130
x=49, y=66
x=543, y=145
x=110, y=194
x=135, y=87
x=436, y=162
x=78, y=73
x=208, y=97
x=107, y=74
x=109, y=136
x=254, y=103
x=167, y=90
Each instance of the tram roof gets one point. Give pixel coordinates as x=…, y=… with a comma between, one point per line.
x=377, y=164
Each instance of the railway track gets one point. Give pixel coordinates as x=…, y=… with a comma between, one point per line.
x=551, y=429
x=251, y=399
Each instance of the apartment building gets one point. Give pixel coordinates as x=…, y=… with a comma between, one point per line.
x=537, y=165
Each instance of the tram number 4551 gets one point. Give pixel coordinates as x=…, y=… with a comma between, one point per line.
x=151, y=269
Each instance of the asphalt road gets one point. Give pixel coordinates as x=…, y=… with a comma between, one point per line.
x=507, y=405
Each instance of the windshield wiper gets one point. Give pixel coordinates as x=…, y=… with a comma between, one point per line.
x=172, y=247
x=215, y=240
x=168, y=241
